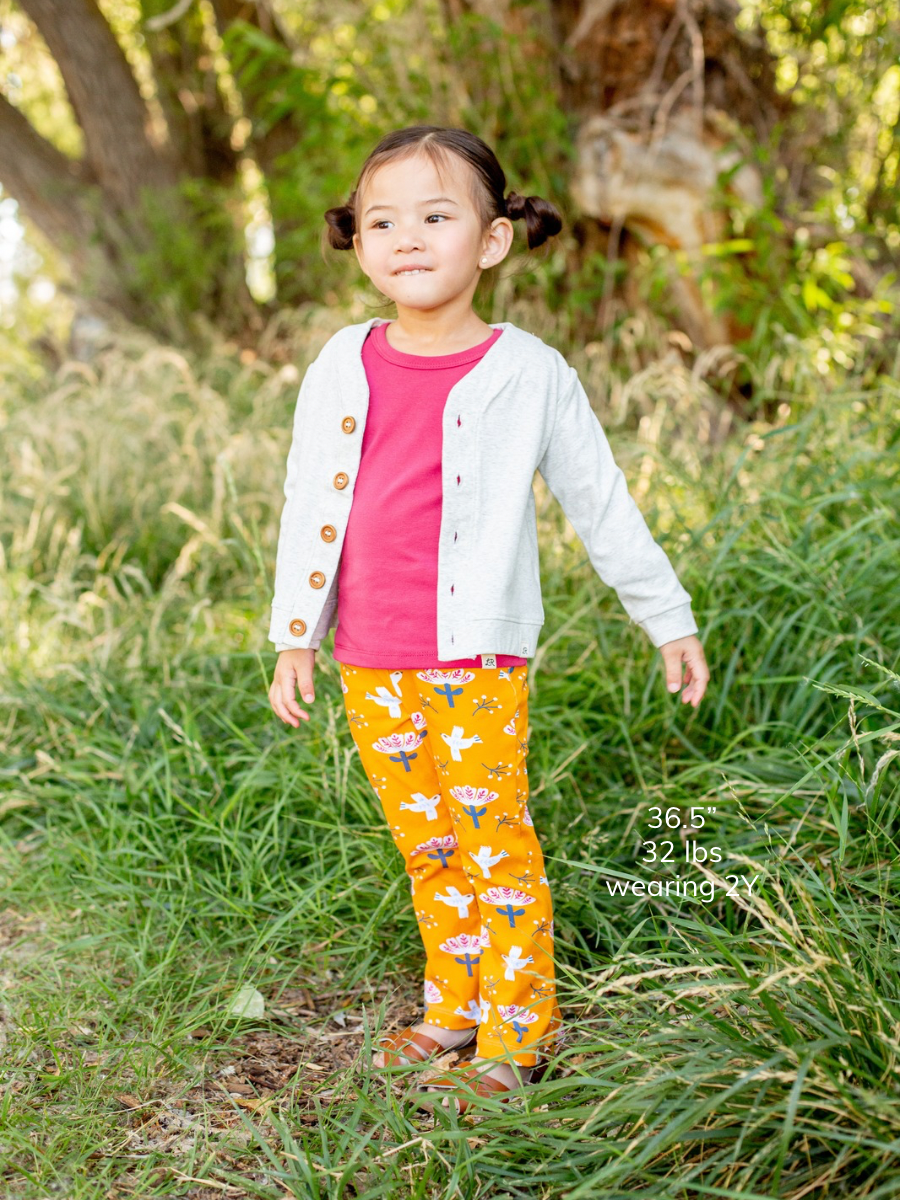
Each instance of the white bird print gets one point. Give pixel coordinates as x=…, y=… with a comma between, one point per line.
x=425, y=804
x=384, y=697
x=457, y=742
x=514, y=962
x=485, y=859
x=473, y=1012
x=485, y=1009
x=455, y=899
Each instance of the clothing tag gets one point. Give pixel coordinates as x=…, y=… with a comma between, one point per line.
x=489, y=660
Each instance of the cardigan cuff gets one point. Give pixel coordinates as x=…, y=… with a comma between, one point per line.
x=669, y=626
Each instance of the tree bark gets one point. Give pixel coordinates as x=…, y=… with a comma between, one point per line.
x=46, y=183
x=187, y=86
x=135, y=238
x=670, y=95
x=270, y=140
x=61, y=196
x=667, y=95
x=106, y=100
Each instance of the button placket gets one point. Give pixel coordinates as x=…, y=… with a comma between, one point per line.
x=328, y=533
x=456, y=531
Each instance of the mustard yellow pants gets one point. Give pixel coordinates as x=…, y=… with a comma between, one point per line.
x=445, y=751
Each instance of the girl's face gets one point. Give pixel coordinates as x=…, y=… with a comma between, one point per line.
x=410, y=218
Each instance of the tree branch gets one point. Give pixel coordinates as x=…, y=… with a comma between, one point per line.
x=43, y=180
x=105, y=97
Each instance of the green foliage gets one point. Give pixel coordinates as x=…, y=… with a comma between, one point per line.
x=813, y=266
x=193, y=257
x=840, y=61
x=311, y=174
x=177, y=842
x=790, y=289
x=789, y=272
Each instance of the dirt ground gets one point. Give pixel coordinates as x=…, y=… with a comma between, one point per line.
x=307, y=1052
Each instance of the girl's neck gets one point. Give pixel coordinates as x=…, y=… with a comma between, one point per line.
x=418, y=337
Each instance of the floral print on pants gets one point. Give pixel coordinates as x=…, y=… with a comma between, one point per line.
x=445, y=751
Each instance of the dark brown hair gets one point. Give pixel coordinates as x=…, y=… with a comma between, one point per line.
x=542, y=219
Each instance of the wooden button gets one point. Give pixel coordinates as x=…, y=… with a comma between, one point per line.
x=348, y=424
x=317, y=579
x=341, y=480
x=328, y=532
x=297, y=627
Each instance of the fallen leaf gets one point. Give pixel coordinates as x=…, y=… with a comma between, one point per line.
x=247, y=1002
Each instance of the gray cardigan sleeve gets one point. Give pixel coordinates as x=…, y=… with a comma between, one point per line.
x=326, y=620
x=580, y=471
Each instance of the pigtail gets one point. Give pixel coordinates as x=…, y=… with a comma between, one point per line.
x=542, y=219
x=341, y=223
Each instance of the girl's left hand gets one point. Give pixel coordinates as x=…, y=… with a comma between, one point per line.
x=686, y=650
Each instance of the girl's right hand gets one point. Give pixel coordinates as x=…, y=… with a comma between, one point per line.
x=293, y=672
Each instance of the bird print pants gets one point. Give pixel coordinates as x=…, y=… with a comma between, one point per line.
x=445, y=751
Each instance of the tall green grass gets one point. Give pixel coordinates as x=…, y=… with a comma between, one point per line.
x=165, y=840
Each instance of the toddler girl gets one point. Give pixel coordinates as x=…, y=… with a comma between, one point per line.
x=409, y=494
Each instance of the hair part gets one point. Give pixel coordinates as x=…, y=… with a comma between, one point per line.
x=542, y=219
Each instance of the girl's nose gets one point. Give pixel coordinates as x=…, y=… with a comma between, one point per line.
x=409, y=239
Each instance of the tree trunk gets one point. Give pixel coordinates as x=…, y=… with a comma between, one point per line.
x=270, y=139
x=47, y=184
x=133, y=236
x=106, y=99
x=62, y=198
x=187, y=87
x=669, y=94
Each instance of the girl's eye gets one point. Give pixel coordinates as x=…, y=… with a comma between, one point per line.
x=378, y=224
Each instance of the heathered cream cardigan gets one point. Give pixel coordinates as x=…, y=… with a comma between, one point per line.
x=521, y=408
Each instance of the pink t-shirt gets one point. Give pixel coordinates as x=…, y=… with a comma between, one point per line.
x=387, y=595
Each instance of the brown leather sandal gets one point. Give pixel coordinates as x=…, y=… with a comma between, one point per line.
x=415, y=1046
x=461, y=1081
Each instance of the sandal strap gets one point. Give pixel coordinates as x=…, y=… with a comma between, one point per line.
x=485, y=1083
x=481, y=1084
x=408, y=1039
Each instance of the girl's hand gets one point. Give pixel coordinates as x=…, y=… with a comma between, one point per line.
x=696, y=676
x=293, y=671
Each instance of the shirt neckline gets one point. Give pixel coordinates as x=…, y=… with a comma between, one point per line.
x=428, y=362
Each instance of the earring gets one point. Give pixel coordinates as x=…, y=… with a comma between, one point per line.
x=484, y=260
